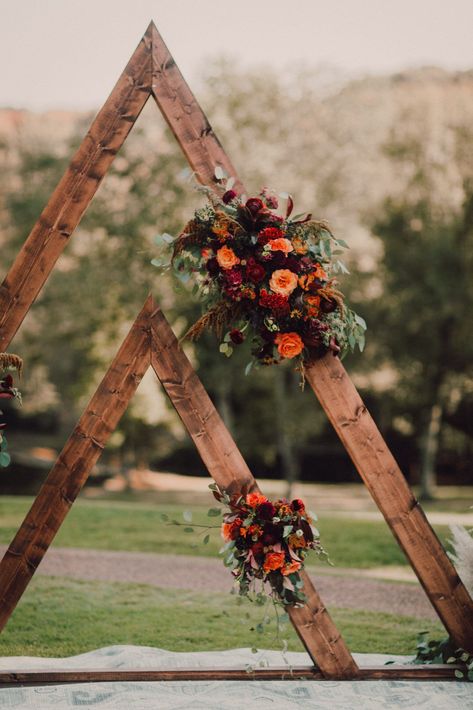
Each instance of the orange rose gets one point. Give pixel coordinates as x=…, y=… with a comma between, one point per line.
x=313, y=303
x=283, y=282
x=227, y=258
x=273, y=560
x=281, y=244
x=254, y=499
x=289, y=344
x=230, y=531
x=300, y=247
x=290, y=568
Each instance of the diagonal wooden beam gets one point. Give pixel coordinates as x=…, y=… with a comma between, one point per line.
x=185, y=117
x=74, y=464
x=393, y=496
x=75, y=190
x=229, y=470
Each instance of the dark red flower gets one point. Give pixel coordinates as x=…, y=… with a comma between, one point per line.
x=297, y=504
x=254, y=271
x=269, y=233
x=257, y=548
x=293, y=264
x=274, y=301
x=328, y=305
x=266, y=511
x=228, y=196
x=233, y=277
x=254, y=205
x=7, y=381
x=212, y=266
x=236, y=336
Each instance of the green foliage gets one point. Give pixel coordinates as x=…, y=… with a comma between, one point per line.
x=444, y=651
x=71, y=617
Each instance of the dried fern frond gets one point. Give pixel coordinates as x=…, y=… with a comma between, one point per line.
x=317, y=226
x=217, y=319
x=8, y=361
x=188, y=236
x=231, y=225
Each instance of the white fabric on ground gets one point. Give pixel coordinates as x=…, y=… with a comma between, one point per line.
x=222, y=695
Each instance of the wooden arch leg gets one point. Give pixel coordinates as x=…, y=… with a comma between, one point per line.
x=393, y=496
x=73, y=465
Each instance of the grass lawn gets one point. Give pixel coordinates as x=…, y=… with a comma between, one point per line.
x=107, y=525
x=61, y=617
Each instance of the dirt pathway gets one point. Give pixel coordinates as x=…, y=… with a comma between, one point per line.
x=207, y=574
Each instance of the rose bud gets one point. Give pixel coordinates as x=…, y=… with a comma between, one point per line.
x=334, y=347
x=328, y=305
x=254, y=205
x=297, y=504
x=236, y=336
x=228, y=196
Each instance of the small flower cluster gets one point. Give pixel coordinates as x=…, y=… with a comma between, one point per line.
x=7, y=391
x=268, y=541
x=275, y=274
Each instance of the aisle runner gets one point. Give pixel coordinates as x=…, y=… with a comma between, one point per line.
x=223, y=695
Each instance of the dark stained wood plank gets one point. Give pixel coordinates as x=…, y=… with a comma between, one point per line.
x=229, y=470
x=74, y=464
x=393, y=496
x=391, y=672
x=185, y=117
x=75, y=190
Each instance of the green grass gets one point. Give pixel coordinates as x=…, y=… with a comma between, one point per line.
x=106, y=525
x=62, y=617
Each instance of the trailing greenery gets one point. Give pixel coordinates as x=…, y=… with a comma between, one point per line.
x=444, y=651
x=62, y=617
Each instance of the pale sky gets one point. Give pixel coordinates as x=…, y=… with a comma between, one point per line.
x=67, y=54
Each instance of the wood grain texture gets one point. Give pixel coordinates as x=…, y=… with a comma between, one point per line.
x=185, y=117
x=74, y=464
x=391, y=672
x=74, y=192
x=229, y=470
x=393, y=496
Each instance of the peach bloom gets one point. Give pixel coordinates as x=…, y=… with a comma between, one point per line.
x=305, y=281
x=300, y=247
x=283, y=281
x=289, y=344
x=273, y=560
x=206, y=253
x=290, y=568
x=281, y=244
x=319, y=273
x=227, y=258
x=254, y=499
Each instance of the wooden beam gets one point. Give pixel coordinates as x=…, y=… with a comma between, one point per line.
x=74, y=464
x=393, y=496
x=391, y=672
x=229, y=470
x=185, y=117
x=75, y=190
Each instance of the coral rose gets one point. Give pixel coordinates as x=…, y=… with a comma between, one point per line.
x=273, y=560
x=254, y=499
x=283, y=282
x=290, y=568
x=281, y=244
x=227, y=258
x=289, y=344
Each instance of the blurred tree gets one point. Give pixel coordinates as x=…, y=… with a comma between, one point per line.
x=422, y=320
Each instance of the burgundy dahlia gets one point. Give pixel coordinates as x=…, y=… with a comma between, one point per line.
x=266, y=511
x=236, y=336
x=254, y=271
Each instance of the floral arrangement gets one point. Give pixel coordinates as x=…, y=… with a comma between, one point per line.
x=270, y=275
x=7, y=391
x=267, y=542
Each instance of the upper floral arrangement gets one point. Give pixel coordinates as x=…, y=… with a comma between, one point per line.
x=267, y=276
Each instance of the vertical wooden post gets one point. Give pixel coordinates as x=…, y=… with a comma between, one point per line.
x=74, y=464
x=229, y=470
x=391, y=493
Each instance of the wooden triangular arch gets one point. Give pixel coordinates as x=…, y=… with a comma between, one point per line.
x=152, y=71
